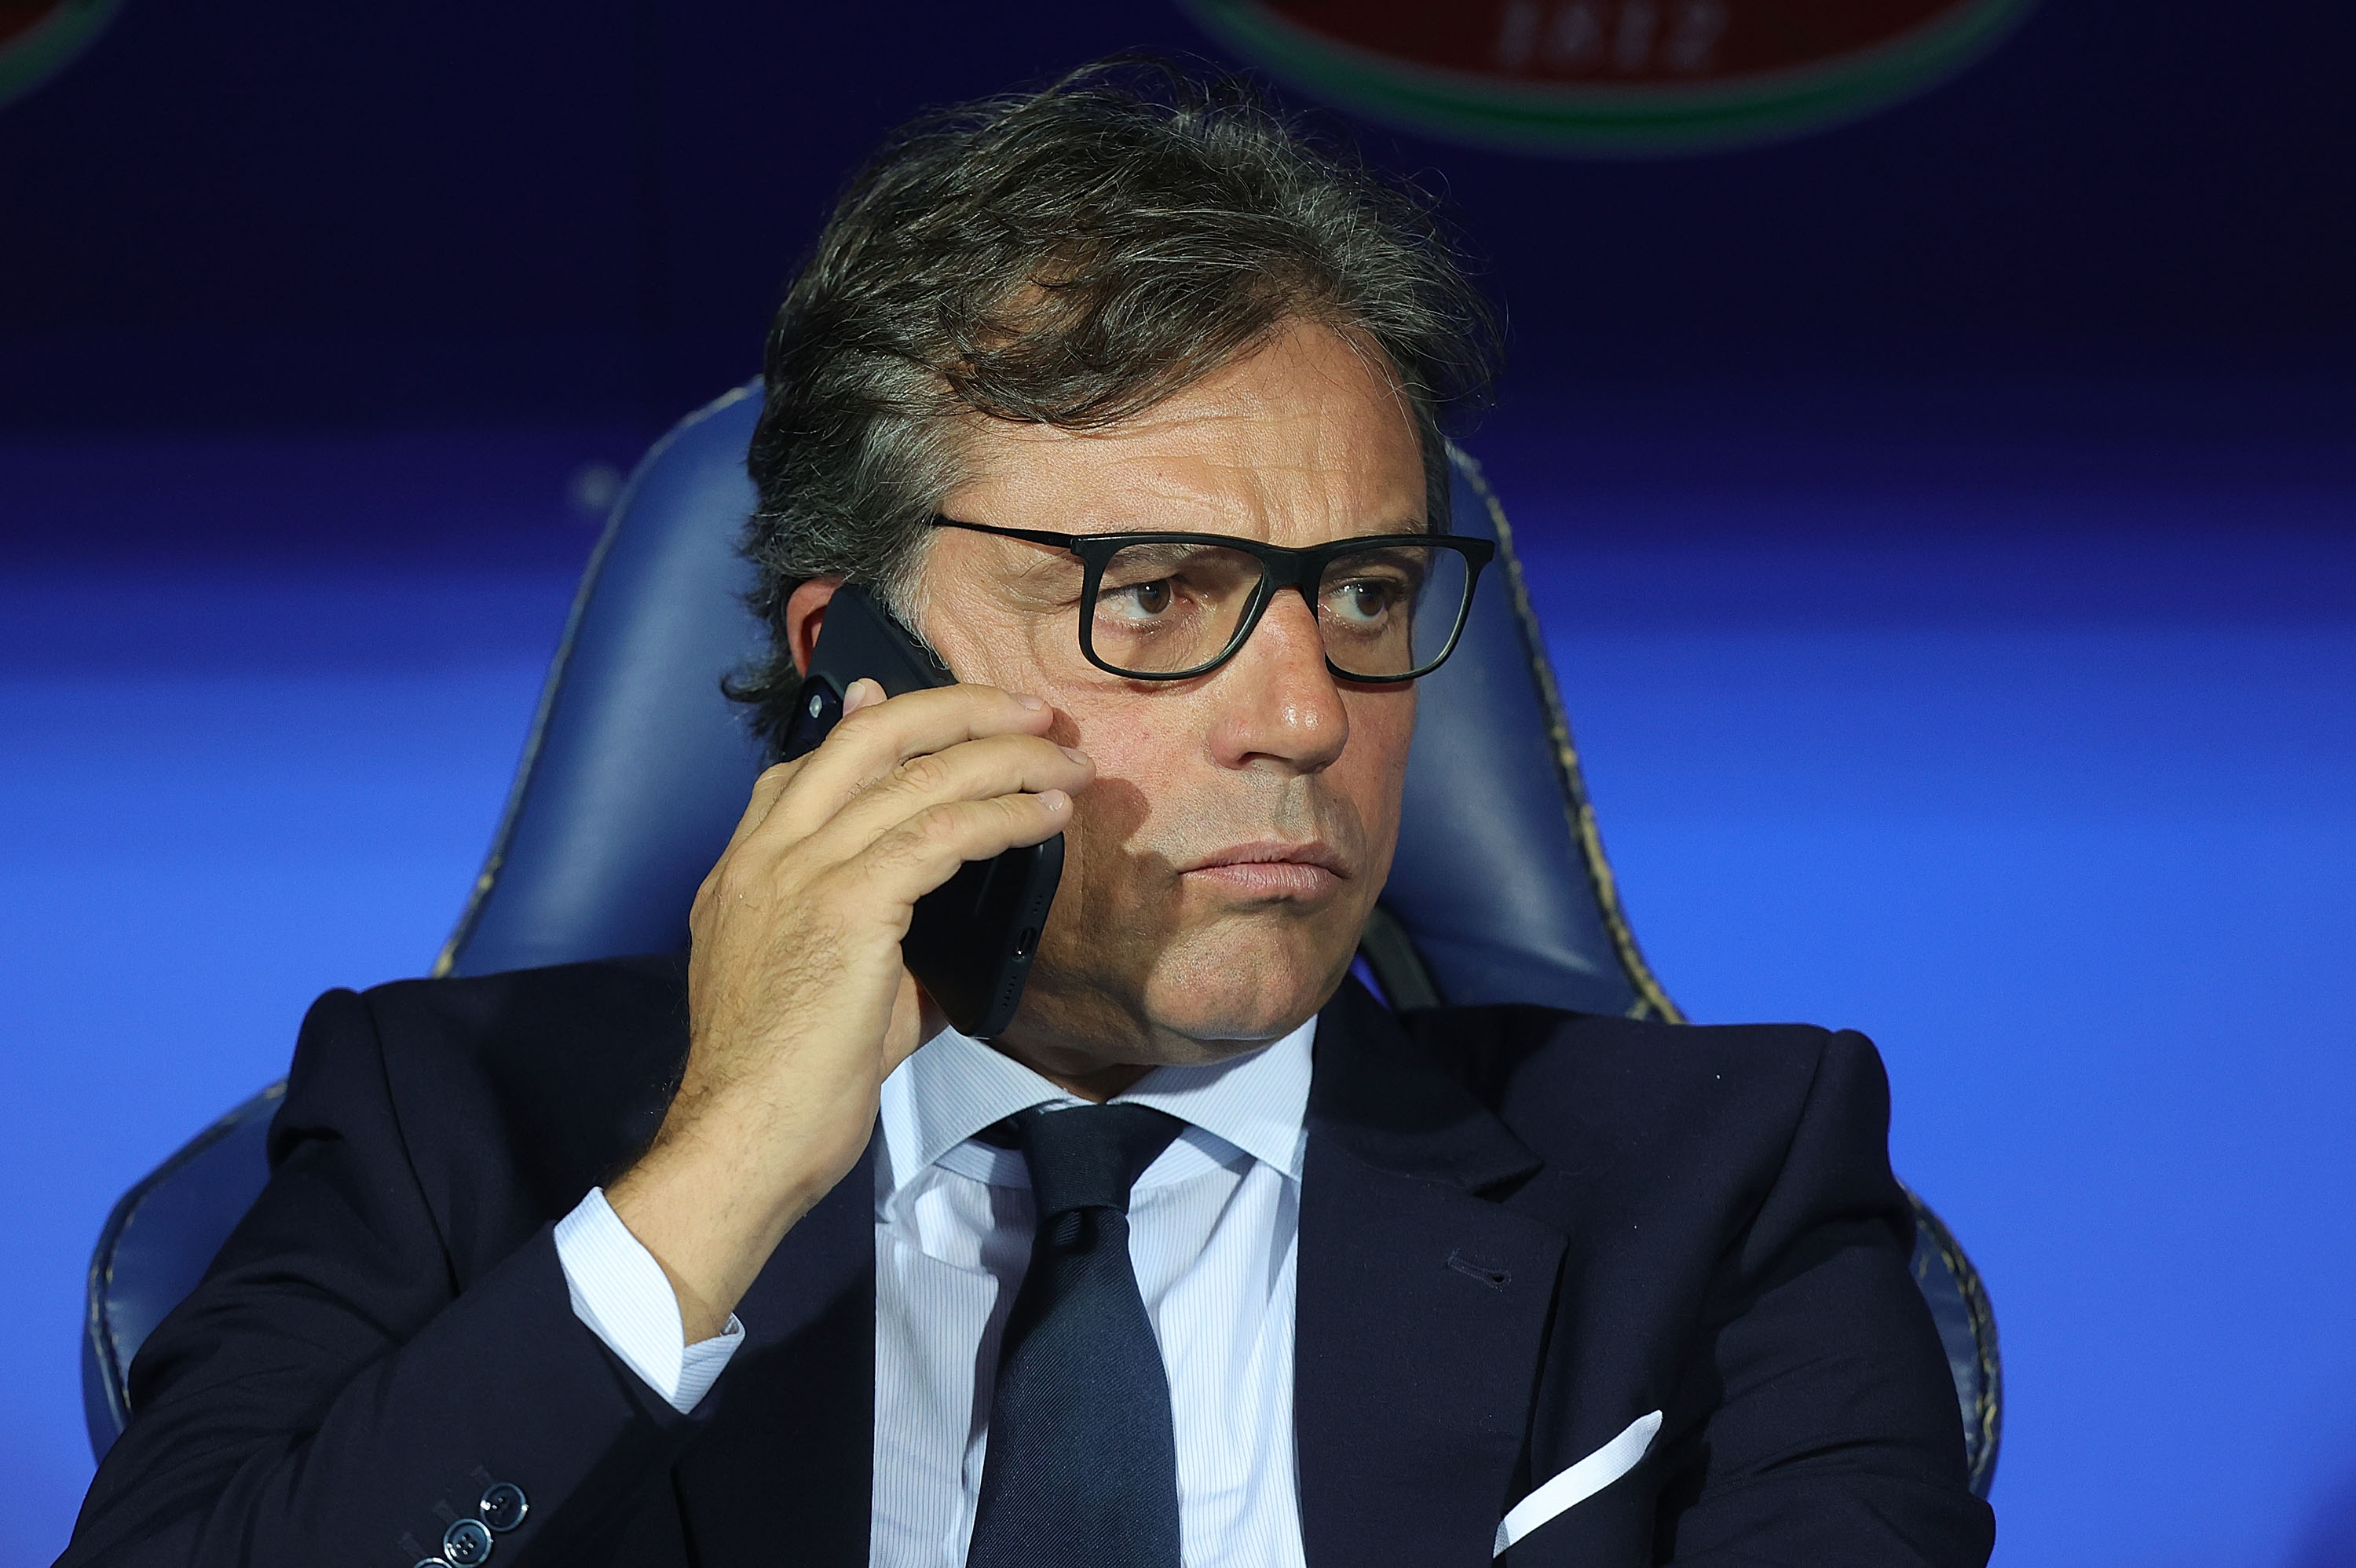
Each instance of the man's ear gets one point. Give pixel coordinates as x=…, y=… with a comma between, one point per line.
x=806, y=617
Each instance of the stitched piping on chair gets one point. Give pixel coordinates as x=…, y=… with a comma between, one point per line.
x=99, y=1286
x=479, y=897
x=1651, y=1000
x=1987, y=1413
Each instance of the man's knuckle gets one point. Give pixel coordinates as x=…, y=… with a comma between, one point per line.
x=939, y=824
x=927, y=775
x=830, y=889
x=742, y=876
x=859, y=726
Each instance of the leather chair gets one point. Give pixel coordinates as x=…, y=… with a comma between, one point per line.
x=637, y=767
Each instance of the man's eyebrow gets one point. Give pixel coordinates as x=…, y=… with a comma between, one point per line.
x=1048, y=570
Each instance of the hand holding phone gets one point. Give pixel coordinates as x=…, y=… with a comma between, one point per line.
x=972, y=939
x=802, y=995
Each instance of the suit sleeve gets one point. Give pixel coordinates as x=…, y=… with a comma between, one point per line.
x=331, y=1395
x=1833, y=1435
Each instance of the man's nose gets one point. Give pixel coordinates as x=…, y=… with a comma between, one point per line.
x=1278, y=702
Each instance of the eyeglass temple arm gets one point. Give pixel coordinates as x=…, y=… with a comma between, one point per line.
x=1033, y=535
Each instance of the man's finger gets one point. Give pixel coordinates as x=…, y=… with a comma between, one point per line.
x=881, y=735
x=972, y=770
x=774, y=779
x=921, y=852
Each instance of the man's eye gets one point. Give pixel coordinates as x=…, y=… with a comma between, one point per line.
x=1140, y=600
x=1366, y=599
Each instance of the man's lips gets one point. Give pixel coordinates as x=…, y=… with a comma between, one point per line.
x=1273, y=871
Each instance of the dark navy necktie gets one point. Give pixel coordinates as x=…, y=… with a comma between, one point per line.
x=1081, y=1466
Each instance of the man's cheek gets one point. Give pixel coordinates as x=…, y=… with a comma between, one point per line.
x=1101, y=900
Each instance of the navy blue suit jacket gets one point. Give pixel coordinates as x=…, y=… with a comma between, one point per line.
x=1520, y=1229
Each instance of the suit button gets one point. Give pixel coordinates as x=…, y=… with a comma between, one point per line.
x=430, y=1563
x=466, y=1543
x=503, y=1506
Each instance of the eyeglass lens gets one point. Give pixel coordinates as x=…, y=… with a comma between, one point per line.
x=1382, y=612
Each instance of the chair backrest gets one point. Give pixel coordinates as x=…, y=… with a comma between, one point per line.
x=638, y=765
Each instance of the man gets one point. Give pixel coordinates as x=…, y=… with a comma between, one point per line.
x=743, y=1258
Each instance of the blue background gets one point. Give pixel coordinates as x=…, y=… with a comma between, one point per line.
x=1943, y=524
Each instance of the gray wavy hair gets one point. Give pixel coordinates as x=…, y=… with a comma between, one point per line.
x=1070, y=257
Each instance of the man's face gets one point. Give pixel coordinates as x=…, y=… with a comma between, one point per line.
x=1217, y=873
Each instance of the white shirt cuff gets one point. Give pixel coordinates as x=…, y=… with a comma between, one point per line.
x=621, y=1294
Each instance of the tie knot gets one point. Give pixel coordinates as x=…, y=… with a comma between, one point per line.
x=1090, y=1155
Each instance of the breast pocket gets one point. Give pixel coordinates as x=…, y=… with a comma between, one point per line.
x=1579, y=1482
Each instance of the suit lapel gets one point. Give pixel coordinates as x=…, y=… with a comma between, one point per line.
x=787, y=1459
x=1423, y=1306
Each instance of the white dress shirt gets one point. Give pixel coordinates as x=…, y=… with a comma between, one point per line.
x=1213, y=1237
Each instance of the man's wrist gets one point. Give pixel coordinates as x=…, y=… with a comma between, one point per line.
x=708, y=1221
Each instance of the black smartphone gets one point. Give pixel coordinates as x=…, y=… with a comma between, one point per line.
x=972, y=938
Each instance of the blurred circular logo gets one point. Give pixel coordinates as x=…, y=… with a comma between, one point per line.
x=37, y=38
x=1626, y=77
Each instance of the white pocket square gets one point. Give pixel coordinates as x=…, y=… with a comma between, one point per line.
x=1580, y=1482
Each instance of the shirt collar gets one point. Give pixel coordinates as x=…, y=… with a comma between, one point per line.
x=954, y=1086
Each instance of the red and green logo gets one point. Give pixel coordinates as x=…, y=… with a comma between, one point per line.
x=37, y=38
x=1612, y=77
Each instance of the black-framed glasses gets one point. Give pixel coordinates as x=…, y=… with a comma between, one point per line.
x=1170, y=606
